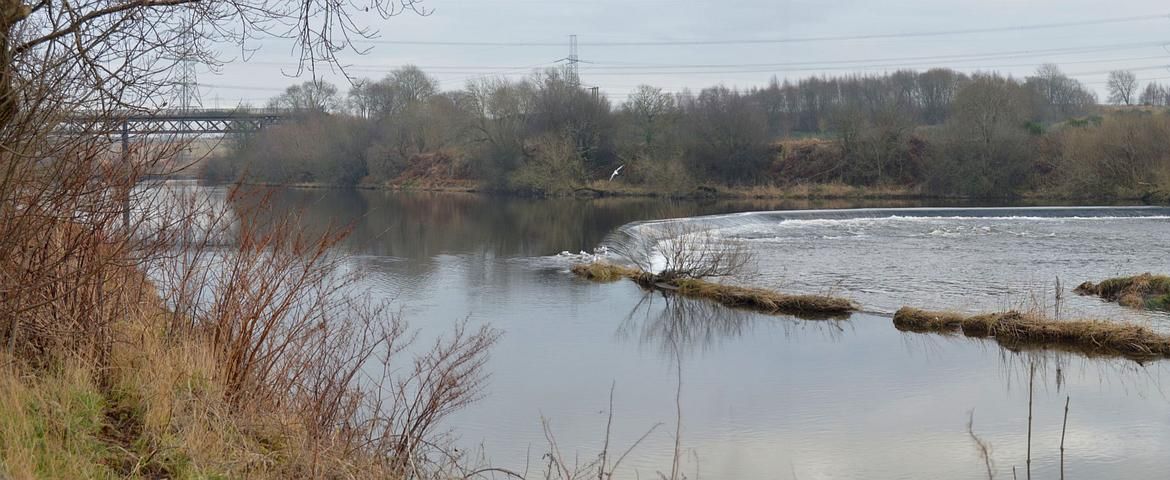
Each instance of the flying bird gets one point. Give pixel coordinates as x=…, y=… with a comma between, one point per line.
x=616, y=172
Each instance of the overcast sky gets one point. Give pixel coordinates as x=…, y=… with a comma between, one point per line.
x=675, y=44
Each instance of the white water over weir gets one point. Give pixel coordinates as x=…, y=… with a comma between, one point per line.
x=965, y=259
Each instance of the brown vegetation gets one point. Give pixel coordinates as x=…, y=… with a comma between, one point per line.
x=766, y=301
x=605, y=272
x=254, y=362
x=757, y=299
x=1145, y=291
x=435, y=171
x=1028, y=330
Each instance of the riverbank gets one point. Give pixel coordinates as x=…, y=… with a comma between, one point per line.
x=255, y=375
x=157, y=408
x=810, y=192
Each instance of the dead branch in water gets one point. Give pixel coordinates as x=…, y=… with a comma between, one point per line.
x=1031, y=395
x=676, y=258
x=672, y=251
x=981, y=444
x=1063, y=429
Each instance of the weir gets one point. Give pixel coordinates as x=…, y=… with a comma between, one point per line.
x=655, y=229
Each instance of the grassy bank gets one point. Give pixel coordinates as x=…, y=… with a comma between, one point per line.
x=256, y=367
x=1145, y=291
x=756, y=299
x=1015, y=330
x=157, y=409
x=617, y=189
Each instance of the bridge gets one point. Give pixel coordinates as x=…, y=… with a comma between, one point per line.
x=170, y=122
x=177, y=122
x=201, y=121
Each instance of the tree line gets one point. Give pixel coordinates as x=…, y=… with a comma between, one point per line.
x=940, y=130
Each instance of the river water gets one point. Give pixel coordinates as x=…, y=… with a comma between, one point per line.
x=758, y=396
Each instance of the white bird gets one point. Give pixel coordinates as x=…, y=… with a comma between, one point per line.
x=616, y=172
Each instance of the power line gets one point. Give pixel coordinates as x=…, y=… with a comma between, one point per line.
x=911, y=60
x=857, y=69
x=836, y=38
x=932, y=58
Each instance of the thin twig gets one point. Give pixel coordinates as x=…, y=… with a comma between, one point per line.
x=1031, y=387
x=984, y=448
x=1063, y=429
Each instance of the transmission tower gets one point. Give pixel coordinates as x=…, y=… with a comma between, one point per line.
x=189, y=96
x=574, y=60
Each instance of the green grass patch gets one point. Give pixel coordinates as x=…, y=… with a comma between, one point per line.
x=51, y=427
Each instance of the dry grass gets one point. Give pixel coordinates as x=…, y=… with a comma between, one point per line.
x=50, y=425
x=920, y=321
x=163, y=412
x=756, y=299
x=1145, y=291
x=605, y=272
x=766, y=301
x=1019, y=330
x=161, y=406
x=271, y=375
x=162, y=416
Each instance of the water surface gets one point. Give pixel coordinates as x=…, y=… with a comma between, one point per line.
x=763, y=396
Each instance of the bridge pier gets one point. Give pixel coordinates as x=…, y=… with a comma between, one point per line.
x=129, y=175
x=170, y=122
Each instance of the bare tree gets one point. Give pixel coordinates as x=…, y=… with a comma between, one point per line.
x=1059, y=96
x=313, y=96
x=413, y=85
x=669, y=251
x=398, y=91
x=1122, y=86
x=652, y=111
x=1155, y=95
x=728, y=136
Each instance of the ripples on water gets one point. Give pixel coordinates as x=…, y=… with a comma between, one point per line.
x=959, y=259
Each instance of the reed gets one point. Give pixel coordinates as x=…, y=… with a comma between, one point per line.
x=1029, y=330
x=765, y=301
x=756, y=299
x=1145, y=291
x=605, y=272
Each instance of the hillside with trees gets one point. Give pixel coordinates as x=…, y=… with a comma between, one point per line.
x=936, y=132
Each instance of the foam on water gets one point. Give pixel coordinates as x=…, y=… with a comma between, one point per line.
x=954, y=258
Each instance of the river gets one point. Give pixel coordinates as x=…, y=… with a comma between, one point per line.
x=758, y=396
